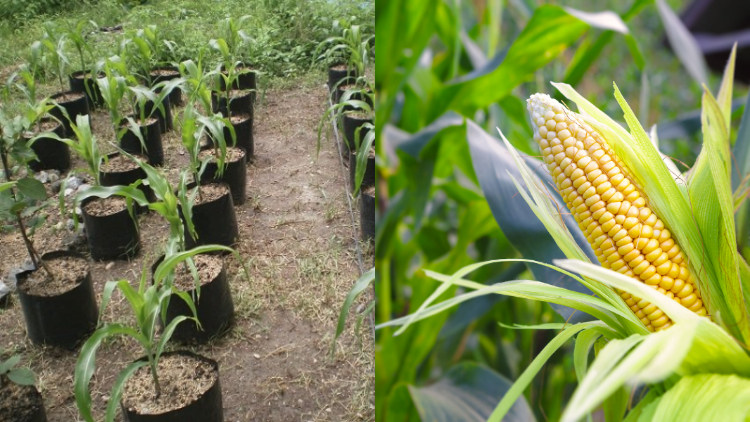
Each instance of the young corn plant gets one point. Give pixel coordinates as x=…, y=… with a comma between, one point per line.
x=347, y=103
x=352, y=47
x=671, y=291
x=151, y=49
x=84, y=144
x=54, y=53
x=231, y=70
x=147, y=303
x=77, y=35
x=194, y=127
x=197, y=83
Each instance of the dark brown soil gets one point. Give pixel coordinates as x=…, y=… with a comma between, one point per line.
x=208, y=267
x=118, y=164
x=233, y=154
x=68, y=273
x=103, y=207
x=70, y=96
x=211, y=192
x=182, y=379
x=18, y=402
x=44, y=126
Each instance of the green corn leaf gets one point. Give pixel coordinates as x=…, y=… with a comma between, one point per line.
x=167, y=334
x=530, y=372
x=359, y=286
x=86, y=364
x=683, y=43
x=116, y=394
x=708, y=397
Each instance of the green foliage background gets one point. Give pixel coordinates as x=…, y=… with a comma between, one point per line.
x=286, y=32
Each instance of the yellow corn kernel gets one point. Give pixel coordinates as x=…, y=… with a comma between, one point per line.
x=625, y=233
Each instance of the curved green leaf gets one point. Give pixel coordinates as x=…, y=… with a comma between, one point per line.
x=468, y=392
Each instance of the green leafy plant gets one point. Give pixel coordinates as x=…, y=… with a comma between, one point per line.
x=84, y=144
x=347, y=103
x=193, y=128
x=352, y=48
x=114, y=87
x=77, y=35
x=53, y=44
x=25, y=194
x=151, y=49
x=14, y=374
x=197, y=85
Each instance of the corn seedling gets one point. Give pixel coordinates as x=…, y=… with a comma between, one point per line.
x=670, y=295
x=148, y=303
x=352, y=47
x=9, y=371
x=347, y=103
x=197, y=82
x=113, y=87
x=54, y=53
x=194, y=127
x=77, y=35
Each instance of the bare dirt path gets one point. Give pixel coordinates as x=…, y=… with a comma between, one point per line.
x=296, y=241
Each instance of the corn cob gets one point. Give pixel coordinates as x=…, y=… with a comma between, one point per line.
x=625, y=234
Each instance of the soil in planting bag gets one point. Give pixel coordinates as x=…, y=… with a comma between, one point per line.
x=214, y=305
x=203, y=404
x=339, y=72
x=244, y=81
x=352, y=121
x=60, y=312
x=239, y=102
x=165, y=118
x=110, y=231
x=213, y=217
x=367, y=214
x=21, y=403
x=235, y=172
x=74, y=103
x=50, y=153
x=369, y=179
x=83, y=82
x=119, y=170
x=168, y=73
x=243, y=130
x=152, y=138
